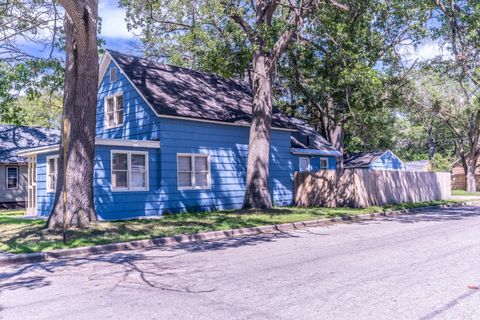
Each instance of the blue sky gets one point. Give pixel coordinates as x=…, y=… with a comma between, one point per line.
x=117, y=37
x=114, y=28
x=113, y=31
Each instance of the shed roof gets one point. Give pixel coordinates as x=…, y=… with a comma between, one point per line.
x=181, y=92
x=16, y=138
x=361, y=159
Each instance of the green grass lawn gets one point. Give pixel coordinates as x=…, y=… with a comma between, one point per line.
x=465, y=193
x=19, y=235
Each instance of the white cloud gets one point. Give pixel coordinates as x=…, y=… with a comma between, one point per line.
x=425, y=51
x=113, y=20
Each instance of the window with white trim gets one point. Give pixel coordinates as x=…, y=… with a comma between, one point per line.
x=323, y=163
x=52, y=171
x=12, y=177
x=129, y=170
x=113, y=75
x=114, y=111
x=193, y=171
x=304, y=164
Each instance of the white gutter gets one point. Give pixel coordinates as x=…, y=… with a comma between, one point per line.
x=315, y=152
x=38, y=150
x=98, y=142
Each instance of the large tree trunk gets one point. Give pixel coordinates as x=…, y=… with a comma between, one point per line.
x=257, y=193
x=470, y=176
x=333, y=124
x=79, y=111
x=336, y=136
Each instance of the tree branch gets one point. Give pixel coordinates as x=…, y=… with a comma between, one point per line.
x=244, y=25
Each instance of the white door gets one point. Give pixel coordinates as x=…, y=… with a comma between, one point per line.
x=32, y=186
x=304, y=164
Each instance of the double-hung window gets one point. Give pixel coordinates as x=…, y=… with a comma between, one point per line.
x=12, y=177
x=114, y=111
x=304, y=164
x=323, y=163
x=193, y=171
x=129, y=171
x=52, y=170
x=113, y=75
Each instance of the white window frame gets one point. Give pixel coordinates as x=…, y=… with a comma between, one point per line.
x=115, y=110
x=113, y=71
x=326, y=167
x=192, y=160
x=129, y=170
x=55, y=172
x=6, y=177
x=300, y=164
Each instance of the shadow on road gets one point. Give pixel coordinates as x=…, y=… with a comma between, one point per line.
x=439, y=215
x=138, y=263
x=163, y=260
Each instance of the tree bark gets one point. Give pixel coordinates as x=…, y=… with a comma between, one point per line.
x=432, y=149
x=471, y=166
x=257, y=193
x=79, y=111
x=336, y=135
x=470, y=179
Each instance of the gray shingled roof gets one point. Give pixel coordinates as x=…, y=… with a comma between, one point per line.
x=306, y=137
x=181, y=92
x=14, y=139
x=361, y=159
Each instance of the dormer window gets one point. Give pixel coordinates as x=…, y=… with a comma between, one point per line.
x=114, y=111
x=113, y=75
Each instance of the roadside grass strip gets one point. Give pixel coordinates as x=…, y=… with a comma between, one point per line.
x=27, y=235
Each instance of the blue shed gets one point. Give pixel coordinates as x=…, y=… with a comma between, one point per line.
x=171, y=139
x=383, y=160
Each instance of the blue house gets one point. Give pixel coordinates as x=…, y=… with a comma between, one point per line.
x=383, y=160
x=14, y=169
x=171, y=139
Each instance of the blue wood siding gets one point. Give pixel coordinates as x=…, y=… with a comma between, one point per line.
x=315, y=163
x=140, y=122
x=227, y=146
x=44, y=199
x=388, y=161
x=228, y=150
x=125, y=204
x=109, y=204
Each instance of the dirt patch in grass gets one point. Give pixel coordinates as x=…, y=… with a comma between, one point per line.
x=19, y=235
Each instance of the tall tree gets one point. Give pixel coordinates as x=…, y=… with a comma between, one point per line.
x=79, y=115
x=345, y=69
x=421, y=133
x=266, y=17
x=28, y=80
x=458, y=22
x=269, y=26
x=23, y=72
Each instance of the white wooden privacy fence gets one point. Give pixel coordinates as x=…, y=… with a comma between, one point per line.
x=363, y=188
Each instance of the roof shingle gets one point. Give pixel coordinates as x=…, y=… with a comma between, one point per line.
x=306, y=137
x=14, y=139
x=361, y=159
x=182, y=92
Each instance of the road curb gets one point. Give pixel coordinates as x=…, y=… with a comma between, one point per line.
x=204, y=236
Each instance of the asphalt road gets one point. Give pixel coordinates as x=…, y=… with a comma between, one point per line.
x=410, y=267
